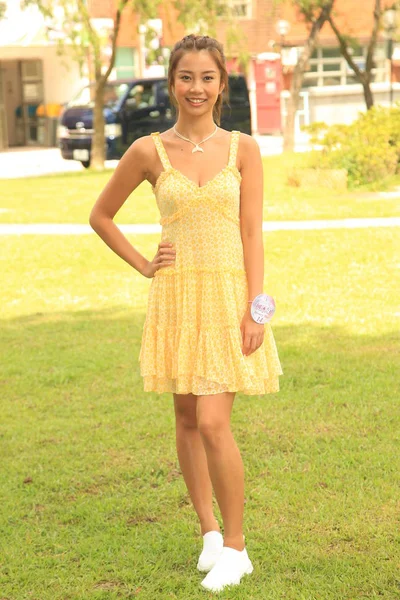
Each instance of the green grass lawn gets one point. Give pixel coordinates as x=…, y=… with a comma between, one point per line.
x=69, y=198
x=93, y=504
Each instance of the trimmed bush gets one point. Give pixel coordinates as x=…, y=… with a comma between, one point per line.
x=369, y=148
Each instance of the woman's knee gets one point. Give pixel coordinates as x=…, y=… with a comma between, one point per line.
x=213, y=416
x=212, y=430
x=185, y=411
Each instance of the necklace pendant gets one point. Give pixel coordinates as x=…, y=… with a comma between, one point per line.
x=197, y=149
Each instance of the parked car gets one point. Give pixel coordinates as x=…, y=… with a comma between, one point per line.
x=132, y=109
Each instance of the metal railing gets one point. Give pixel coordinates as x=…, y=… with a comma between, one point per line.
x=303, y=112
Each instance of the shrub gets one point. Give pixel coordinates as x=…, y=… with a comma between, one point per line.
x=369, y=148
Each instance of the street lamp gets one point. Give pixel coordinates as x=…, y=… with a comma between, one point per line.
x=389, y=25
x=166, y=53
x=142, y=29
x=282, y=28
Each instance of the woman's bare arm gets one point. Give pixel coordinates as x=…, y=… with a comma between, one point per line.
x=251, y=214
x=131, y=171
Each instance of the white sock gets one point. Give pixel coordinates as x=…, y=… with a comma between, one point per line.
x=212, y=547
x=212, y=541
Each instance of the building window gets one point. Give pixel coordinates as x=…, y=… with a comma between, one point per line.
x=124, y=63
x=238, y=9
x=328, y=67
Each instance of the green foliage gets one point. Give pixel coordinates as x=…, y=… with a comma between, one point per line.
x=316, y=131
x=369, y=148
x=310, y=8
x=200, y=16
x=197, y=15
x=237, y=43
x=77, y=31
x=65, y=19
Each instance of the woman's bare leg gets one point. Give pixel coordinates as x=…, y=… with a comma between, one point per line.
x=225, y=463
x=193, y=461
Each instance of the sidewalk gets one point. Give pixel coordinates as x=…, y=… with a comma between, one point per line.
x=142, y=228
x=273, y=144
x=31, y=161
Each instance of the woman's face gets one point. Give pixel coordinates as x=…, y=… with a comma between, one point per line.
x=197, y=82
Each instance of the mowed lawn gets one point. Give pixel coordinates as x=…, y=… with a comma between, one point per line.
x=69, y=198
x=93, y=504
x=93, y=501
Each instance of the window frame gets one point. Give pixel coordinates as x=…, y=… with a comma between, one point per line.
x=344, y=73
x=231, y=4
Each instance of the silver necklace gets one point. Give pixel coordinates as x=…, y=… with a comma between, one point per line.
x=196, y=146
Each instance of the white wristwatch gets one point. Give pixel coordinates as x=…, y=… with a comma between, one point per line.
x=262, y=308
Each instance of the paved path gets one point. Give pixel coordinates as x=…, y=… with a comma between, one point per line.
x=78, y=229
x=30, y=162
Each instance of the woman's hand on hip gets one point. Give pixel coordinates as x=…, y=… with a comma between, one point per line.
x=165, y=256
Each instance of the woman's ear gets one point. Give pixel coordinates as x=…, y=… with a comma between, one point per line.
x=221, y=88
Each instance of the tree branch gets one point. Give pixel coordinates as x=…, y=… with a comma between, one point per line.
x=92, y=35
x=310, y=42
x=344, y=50
x=117, y=23
x=322, y=17
x=374, y=36
x=298, y=73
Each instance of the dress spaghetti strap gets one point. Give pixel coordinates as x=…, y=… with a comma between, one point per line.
x=233, y=148
x=161, y=150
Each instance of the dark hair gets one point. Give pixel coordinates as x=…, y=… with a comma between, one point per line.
x=192, y=43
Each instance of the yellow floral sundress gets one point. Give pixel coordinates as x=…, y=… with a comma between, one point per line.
x=191, y=341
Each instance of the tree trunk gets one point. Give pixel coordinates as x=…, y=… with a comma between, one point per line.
x=363, y=76
x=289, y=130
x=293, y=101
x=98, y=140
x=369, y=99
x=298, y=76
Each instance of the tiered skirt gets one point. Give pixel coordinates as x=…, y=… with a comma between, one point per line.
x=192, y=342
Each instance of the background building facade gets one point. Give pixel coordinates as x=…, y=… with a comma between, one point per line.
x=35, y=81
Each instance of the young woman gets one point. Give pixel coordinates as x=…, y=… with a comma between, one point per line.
x=200, y=340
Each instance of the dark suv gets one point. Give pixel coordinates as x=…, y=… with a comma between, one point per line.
x=132, y=109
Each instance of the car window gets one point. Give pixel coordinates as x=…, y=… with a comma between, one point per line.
x=238, y=91
x=112, y=94
x=163, y=95
x=141, y=95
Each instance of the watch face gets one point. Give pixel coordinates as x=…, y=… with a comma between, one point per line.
x=262, y=308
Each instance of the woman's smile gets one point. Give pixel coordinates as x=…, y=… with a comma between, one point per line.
x=196, y=101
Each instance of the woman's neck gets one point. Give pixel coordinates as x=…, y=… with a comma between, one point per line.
x=195, y=129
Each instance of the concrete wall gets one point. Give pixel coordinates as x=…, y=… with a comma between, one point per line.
x=61, y=78
x=341, y=104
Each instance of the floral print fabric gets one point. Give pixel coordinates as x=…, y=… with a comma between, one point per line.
x=191, y=341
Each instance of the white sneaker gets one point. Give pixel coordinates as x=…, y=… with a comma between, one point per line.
x=228, y=570
x=212, y=547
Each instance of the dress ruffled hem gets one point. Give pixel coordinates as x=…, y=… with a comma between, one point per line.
x=210, y=361
x=202, y=387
